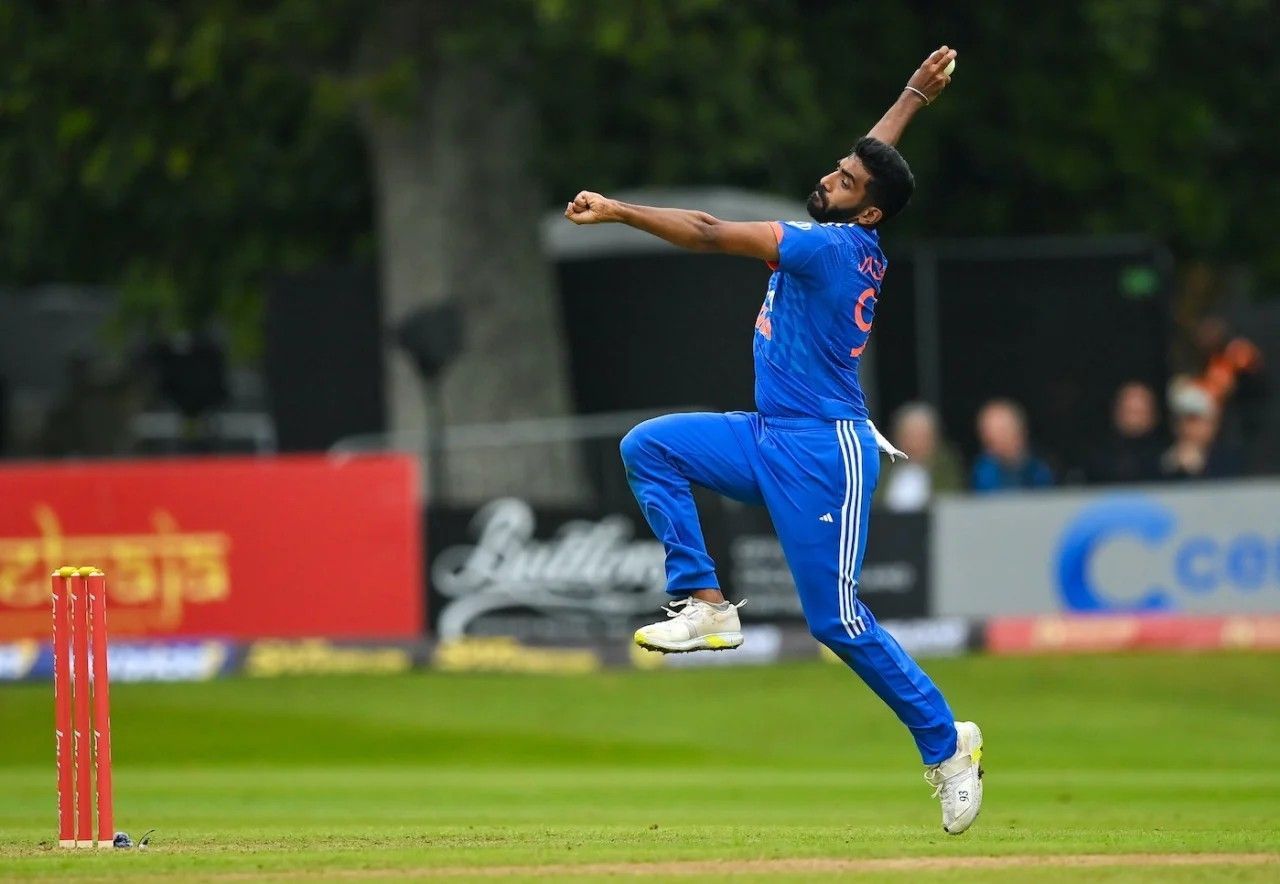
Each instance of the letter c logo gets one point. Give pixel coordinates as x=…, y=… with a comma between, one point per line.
x=1097, y=524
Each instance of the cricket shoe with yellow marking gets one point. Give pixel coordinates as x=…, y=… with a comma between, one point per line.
x=957, y=782
x=693, y=625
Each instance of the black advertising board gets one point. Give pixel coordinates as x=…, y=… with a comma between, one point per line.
x=556, y=575
x=541, y=575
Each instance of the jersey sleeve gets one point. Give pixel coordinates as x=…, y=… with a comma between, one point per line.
x=802, y=247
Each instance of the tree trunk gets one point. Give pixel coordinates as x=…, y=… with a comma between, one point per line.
x=457, y=220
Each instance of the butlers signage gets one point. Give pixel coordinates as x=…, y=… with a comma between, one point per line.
x=561, y=576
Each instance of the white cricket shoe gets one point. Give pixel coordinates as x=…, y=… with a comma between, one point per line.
x=693, y=625
x=957, y=782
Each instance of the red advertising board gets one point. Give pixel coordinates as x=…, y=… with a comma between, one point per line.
x=233, y=547
x=1108, y=633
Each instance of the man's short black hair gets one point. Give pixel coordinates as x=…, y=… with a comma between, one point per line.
x=891, y=183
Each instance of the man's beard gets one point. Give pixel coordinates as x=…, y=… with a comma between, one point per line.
x=820, y=211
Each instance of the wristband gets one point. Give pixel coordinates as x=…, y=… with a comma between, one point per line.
x=923, y=97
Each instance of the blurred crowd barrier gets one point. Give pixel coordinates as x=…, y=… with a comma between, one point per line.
x=337, y=564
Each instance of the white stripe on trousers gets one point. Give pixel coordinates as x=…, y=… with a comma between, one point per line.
x=855, y=536
x=850, y=526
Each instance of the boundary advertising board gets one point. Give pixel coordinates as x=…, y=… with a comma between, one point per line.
x=220, y=547
x=1210, y=548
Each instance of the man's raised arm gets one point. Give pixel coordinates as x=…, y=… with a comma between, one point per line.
x=701, y=232
x=686, y=228
x=922, y=88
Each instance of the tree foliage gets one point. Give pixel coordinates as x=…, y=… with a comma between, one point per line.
x=189, y=150
x=172, y=149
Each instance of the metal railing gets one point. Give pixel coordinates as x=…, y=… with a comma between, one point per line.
x=567, y=460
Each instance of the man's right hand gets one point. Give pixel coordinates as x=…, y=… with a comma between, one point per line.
x=929, y=77
x=591, y=208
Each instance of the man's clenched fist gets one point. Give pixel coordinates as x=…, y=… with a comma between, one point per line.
x=591, y=208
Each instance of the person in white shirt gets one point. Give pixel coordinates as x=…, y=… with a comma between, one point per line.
x=931, y=467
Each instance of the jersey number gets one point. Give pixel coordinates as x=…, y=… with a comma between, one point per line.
x=868, y=295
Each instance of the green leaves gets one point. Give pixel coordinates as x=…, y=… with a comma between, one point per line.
x=168, y=150
x=191, y=150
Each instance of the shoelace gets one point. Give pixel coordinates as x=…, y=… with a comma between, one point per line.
x=687, y=604
x=933, y=776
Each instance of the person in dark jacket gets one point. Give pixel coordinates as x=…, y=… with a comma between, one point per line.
x=1132, y=452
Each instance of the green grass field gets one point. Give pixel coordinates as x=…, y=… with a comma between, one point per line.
x=791, y=772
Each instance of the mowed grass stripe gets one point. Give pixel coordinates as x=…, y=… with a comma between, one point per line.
x=821, y=866
x=567, y=776
x=410, y=778
x=1131, y=867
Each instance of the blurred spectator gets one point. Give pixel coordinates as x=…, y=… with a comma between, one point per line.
x=1006, y=462
x=1196, y=452
x=932, y=466
x=1231, y=372
x=1132, y=452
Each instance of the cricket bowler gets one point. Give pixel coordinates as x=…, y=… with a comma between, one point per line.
x=809, y=453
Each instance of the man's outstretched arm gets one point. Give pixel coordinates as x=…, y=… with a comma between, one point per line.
x=685, y=228
x=922, y=88
x=701, y=232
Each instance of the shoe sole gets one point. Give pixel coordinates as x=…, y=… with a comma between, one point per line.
x=975, y=752
x=718, y=641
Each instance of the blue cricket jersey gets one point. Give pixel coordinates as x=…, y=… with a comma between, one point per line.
x=816, y=319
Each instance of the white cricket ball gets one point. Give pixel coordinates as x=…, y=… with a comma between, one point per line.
x=951, y=66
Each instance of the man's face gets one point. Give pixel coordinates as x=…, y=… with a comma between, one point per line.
x=918, y=437
x=1135, y=411
x=841, y=195
x=1002, y=433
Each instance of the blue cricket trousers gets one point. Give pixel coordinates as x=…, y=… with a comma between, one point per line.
x=804, y=470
